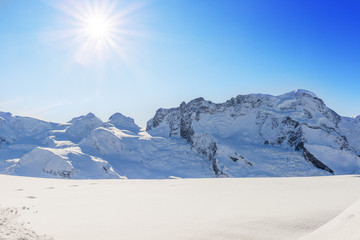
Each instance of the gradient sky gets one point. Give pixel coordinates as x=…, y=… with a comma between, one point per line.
x=182, y=50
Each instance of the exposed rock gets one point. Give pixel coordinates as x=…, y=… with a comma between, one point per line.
x=311, y=158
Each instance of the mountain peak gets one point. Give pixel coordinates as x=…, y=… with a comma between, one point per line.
x=123, y=123
x=301, y=92
x=194, y=102
x=5, y=114
x=82, y=126
x=90, y=115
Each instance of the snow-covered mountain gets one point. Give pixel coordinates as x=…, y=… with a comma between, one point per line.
x=264, y=135
x=254, y=135
x=86, y=147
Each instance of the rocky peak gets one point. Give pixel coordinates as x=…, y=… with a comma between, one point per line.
x=195, y=103
x=303, y=93
x=301, y=103
x=292, y=120
x=6, y=115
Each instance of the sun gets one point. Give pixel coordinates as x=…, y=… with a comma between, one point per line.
x=97, y=29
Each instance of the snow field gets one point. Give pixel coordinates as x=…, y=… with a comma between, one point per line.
x=179, y=209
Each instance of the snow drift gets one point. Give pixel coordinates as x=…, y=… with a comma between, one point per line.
x=344, y=226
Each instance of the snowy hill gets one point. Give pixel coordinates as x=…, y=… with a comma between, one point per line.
x=254, y=135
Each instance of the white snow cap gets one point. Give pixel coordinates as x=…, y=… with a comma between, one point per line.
x=303, y=92
x=83, y=117
x=82, y=126
x=123, y=123
x=22, y=126
x=300, y=92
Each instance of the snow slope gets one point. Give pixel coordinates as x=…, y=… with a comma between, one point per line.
x=65, y=163
x=142, y=156
x=255, y=135
x=177, y=209
x=344, y=226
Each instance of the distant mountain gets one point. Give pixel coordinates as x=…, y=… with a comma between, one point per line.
x=264, y=135
x=254, y=135
x=86, y=147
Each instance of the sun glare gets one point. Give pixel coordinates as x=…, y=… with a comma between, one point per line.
x=98, y=28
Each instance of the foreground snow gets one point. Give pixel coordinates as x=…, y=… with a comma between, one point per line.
x=183, y=209
x=344, y=226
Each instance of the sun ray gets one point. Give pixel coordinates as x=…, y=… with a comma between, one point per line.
x=96, y=27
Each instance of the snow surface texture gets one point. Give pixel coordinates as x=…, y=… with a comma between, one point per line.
x=11, y=229
x=344, y=226
x=254, y=135
x=180, y=209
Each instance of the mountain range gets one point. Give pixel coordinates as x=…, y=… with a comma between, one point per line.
x=255, y=135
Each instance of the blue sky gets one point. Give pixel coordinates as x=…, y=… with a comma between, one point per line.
x=181, y=50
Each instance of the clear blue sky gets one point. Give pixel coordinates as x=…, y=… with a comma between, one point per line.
x=181, y=50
